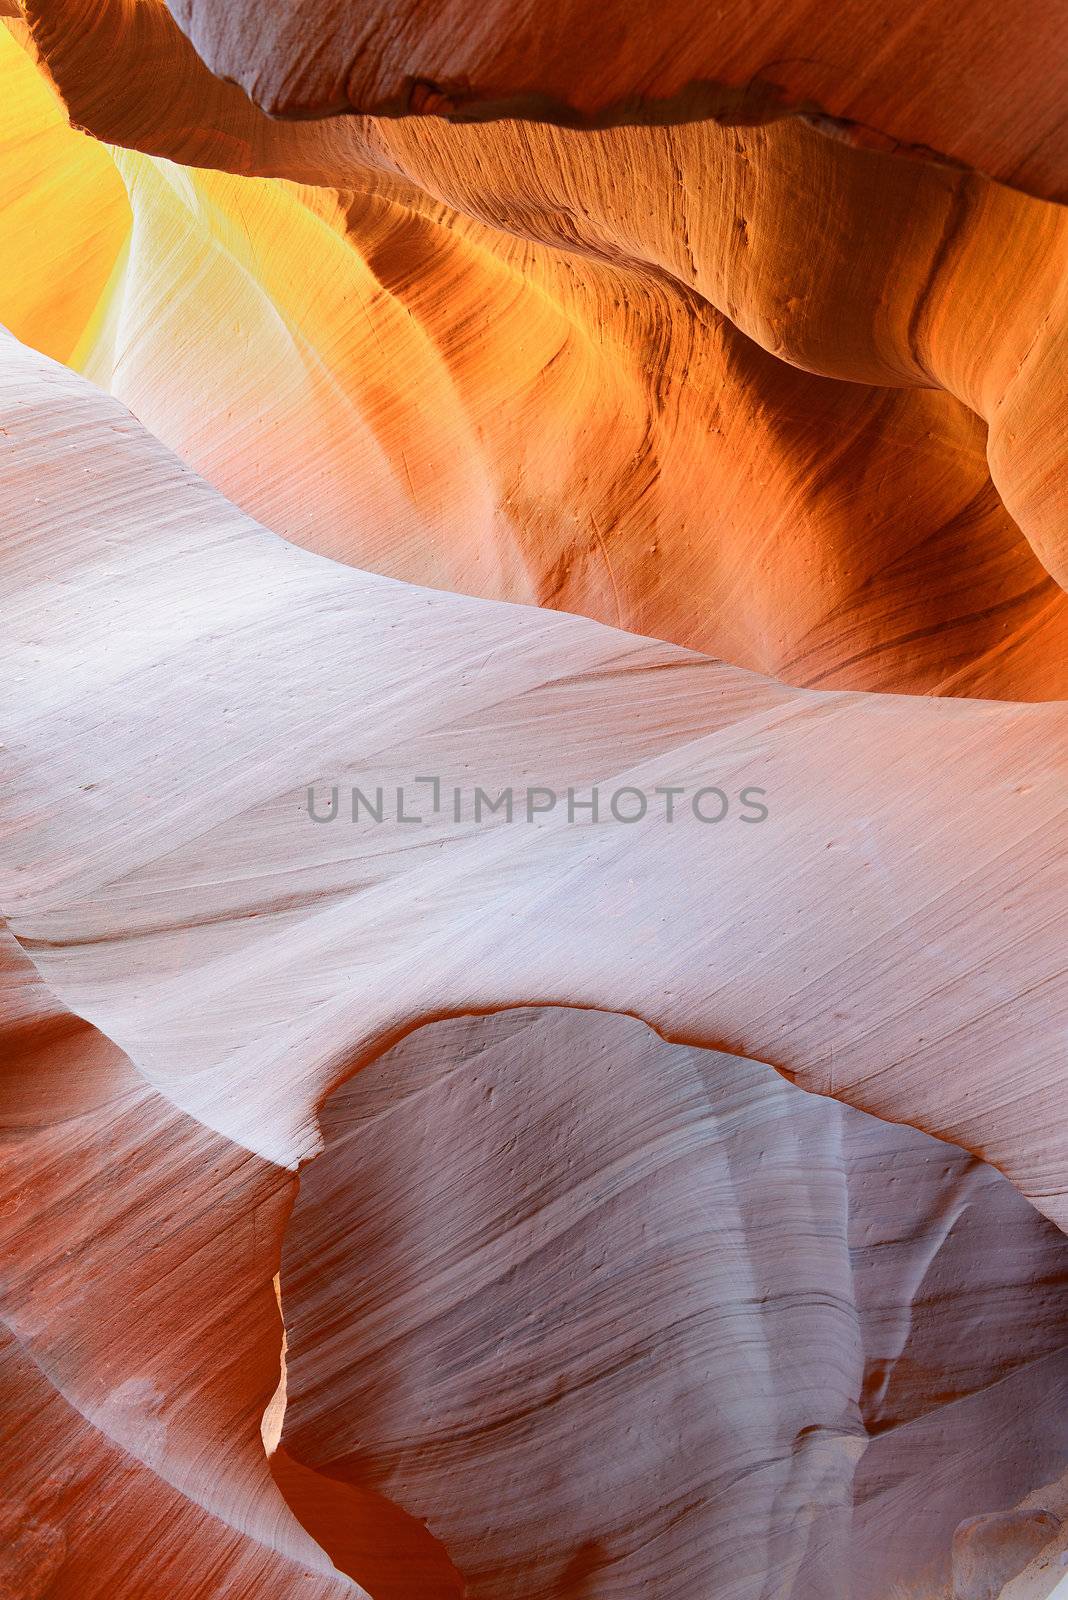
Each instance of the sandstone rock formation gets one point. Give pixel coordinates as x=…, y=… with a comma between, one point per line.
x=528, y=1201
x=923, y=78
x=485, y=309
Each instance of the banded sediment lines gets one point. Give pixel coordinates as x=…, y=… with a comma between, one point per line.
x=516, y=375
x=650, y=1209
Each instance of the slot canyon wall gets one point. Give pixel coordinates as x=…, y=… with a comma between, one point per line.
x=534, y=733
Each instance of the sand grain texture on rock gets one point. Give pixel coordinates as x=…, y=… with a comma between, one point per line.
x=546, y=1200
x=927, y=77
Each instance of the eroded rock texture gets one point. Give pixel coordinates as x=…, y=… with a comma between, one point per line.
x=916, y=78
x=695, y=1264
x=531, y=1202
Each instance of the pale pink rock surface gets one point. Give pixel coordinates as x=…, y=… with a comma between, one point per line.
x=176, y=677
x=611, y=1314
x=885, y=849
x=617, y=1315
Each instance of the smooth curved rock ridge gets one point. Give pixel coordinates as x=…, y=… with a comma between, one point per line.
x=138, y=1332
x=139, y=1347
x=365, y=381
x=771, y=1400
x=570, y=1309
x=886, y=848
x=932, y=77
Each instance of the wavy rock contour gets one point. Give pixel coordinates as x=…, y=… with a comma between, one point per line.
x=488, y=1105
